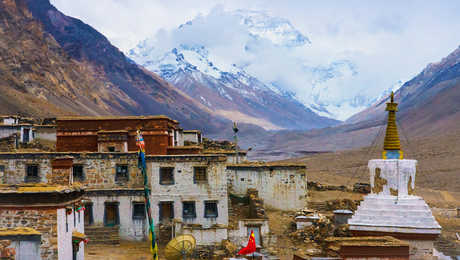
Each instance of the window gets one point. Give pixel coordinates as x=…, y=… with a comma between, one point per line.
x=78, y=174
x=138, y=210
x=32, y=173
x=121, y=174
x=166, y=175
x=188, y=209
x=166, y=211
x=200, y=174
x=111, y=149
x=210, y=209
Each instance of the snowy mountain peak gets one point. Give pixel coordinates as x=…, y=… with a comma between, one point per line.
x=249, y=51
x=276, y=29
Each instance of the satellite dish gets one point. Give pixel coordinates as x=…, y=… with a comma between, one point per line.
x=180, y=247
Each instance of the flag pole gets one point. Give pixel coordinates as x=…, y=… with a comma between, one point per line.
x=142, y=165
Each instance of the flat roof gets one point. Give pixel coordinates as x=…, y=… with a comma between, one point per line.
x=191, y=131
x=223, y=151
x=74, y=118
x=37, y=188
x=18, y=231
x=382, y=241
x=249, y=164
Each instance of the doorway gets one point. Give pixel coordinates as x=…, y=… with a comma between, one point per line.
x=166, y=211
x=111, y=215
x=256, y=230
x=88, y=214
x=25, y=138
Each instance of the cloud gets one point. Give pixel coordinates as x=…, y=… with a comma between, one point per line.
x=386, y=41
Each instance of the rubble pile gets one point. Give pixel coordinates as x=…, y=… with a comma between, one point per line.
x=313, y=185
x=316, y=233
x=210, y=144
x=5, y=252
x=364, y=188
x=342, y=204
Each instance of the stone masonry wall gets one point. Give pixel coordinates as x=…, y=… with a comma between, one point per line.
x=99, y=168
x=184, y=189
x=42, y=220
x=283, y=188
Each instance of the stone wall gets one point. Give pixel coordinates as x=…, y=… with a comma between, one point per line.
x=6, y=252
x=15, y=169
x=184, y=188
x=240, y=235
x=99, y=168
x=130, y=229
x=283, y=188
x=42, y=220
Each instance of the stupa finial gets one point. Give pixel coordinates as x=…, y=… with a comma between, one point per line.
x=392, y=145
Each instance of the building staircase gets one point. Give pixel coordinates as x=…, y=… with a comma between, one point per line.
x=103, y=235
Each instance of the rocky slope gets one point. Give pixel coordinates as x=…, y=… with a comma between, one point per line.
x=52, y=64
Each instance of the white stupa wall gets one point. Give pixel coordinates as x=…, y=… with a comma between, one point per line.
x=396, y=174
x=392, y=208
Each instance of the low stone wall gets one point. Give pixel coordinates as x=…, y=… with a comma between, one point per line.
x=42, y=220
x=5, y=252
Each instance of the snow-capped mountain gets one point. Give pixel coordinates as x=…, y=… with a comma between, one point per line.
x=233, y=93
x=251, y=67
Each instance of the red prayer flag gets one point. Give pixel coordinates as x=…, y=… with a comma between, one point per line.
x=251, y=247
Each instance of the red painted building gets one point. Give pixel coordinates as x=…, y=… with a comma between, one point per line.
x=115, y=134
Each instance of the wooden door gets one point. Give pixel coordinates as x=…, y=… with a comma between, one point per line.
x=111, y=215
x=166, y=211
x=88, y=214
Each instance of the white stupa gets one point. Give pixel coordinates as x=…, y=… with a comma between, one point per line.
x=392, y=208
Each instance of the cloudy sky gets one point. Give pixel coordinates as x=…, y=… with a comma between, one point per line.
x=386, y=40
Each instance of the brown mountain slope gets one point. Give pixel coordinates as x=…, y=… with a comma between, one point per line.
x=36, y=76
x=52, y=64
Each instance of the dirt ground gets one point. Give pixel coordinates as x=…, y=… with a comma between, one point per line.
x=126, y=250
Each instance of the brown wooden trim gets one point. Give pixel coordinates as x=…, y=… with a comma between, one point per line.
x=405, y=236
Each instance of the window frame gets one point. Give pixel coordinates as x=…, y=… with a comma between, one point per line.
x=161, y=180
x=188, y=216
x=78, y=178
x=31, y=179
x=117, y=173
x=211, y=202
x=137, y=204
x=196, y=174
x=160, y=212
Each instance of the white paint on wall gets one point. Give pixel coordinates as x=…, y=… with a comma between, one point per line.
x=66, y=225
x=130, y=229
x=280, y=188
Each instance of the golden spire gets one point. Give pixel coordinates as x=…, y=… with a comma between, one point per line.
x=391, y=143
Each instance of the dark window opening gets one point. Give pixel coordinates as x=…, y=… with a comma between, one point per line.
x=166, y=175
x=210, y=209
x=78, y=174
x=166, y=211
x=121, y=174
x=111, y=149
x=88, y=218
x=26, y=135
x=138, y=210
x=188, y=209
x=32, y=173
x=200, y=174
